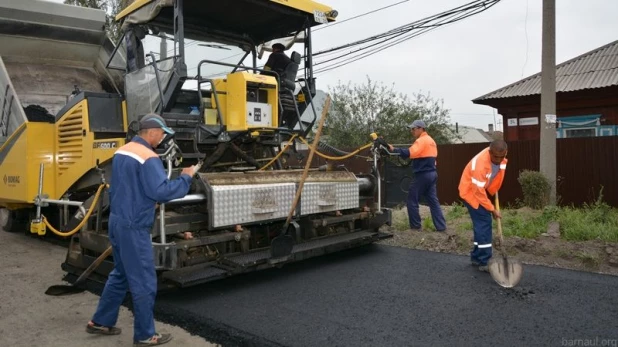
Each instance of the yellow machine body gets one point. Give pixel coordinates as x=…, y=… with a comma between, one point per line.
x=247, y=101
x=29, y=146
x=67, y=150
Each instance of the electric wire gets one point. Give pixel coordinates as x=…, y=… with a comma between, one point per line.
x=358, y=16
x=369, y=46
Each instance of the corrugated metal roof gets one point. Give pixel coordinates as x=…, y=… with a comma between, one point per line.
x=595, y=69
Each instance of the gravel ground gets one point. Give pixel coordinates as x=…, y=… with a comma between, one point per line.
x=28, y=317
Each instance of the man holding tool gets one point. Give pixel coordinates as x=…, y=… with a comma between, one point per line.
x=139, y=182
x=483, y=175
x=424, y=152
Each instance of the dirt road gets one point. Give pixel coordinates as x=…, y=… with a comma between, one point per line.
x=28, y=317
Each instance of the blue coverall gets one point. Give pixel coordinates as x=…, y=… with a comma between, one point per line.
x=423, y=184
x=139, y=181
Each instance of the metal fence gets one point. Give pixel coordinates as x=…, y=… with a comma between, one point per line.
x=584, y=166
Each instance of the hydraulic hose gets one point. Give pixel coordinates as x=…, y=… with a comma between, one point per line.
x=351, y=154
x=278, y=154
x=325, y=147
x=84, y=220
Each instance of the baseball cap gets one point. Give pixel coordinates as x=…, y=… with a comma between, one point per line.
x=417, y=124
x=153, y=121
x=278, y=46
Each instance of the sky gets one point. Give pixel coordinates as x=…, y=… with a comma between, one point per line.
x=463, y=60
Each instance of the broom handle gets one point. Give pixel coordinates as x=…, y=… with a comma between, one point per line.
x=499, y=222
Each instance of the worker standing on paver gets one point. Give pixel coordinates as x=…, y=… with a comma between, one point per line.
x=483, y=175
x=423, y=153
x=138, y=183
x=277, y=61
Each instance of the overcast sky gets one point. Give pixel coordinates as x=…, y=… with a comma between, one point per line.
x=466, y=59
x=470, y=58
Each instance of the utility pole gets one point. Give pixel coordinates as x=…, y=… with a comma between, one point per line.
x=547, y=119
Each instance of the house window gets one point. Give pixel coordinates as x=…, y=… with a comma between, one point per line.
x=580, y=132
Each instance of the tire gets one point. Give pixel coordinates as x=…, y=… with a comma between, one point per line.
x=6, y=219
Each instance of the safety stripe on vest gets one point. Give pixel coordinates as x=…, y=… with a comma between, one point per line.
x=474, y=161
x=502, y=166
x=132, y=155
x=478, y=183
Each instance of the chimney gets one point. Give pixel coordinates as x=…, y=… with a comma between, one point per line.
x=457, y=127
x=491, y=128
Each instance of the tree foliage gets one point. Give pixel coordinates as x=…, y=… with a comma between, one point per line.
x=111, y=8
x=358, y=110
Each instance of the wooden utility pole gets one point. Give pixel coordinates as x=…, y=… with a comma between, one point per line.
x=547, y=119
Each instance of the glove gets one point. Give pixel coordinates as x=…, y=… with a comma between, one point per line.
x=382, y=143
x=382, y=146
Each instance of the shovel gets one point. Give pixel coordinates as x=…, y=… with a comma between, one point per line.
x=62, y=289
x=507, y=272
x=282, y=244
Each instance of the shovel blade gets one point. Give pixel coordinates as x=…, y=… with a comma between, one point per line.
x=507, y=272
x=61, y=290
x=281, y=246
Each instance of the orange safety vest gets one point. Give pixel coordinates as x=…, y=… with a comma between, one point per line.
x=424, y=151
x=474, y=184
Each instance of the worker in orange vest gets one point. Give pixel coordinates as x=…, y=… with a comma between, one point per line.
x=423, y=153
x=482, y=176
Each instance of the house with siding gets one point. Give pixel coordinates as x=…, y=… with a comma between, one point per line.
x=586, y=98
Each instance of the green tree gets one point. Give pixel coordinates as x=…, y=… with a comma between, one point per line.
x=359, y=110
x=111, y=8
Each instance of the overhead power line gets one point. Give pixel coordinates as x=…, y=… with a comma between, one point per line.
x=377, y=43
x=358, y=16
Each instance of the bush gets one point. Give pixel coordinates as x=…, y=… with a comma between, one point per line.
x=536, y=188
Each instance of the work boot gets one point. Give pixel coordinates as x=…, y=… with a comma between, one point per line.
x=93, y=328
x=484, y=268
x=155, y=340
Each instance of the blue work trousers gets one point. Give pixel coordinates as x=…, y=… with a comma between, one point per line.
x=424, y=185
x=481, y=224
x=134, y=271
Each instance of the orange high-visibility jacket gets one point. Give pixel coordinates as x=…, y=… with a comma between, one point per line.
x=474, y=184
x=424, y=152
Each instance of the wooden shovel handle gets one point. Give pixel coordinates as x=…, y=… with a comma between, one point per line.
x=316, y=140
x=499, y=222
x=93, y=266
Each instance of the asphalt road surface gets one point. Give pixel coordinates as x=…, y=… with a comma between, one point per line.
x=389, y=296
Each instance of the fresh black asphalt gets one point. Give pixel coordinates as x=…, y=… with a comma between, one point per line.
x=389, y=296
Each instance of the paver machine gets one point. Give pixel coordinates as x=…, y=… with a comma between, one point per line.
x=237, y=121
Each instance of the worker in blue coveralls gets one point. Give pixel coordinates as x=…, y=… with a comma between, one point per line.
x=423, y=153
x=138, y=183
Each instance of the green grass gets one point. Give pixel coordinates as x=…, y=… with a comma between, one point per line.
x=400, y=219
x=597, y=221
x=456, y=211
x=428, y=224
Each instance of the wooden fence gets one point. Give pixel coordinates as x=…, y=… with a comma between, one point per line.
x=584, y=166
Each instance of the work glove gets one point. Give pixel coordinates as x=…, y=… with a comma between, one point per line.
x=382, y=146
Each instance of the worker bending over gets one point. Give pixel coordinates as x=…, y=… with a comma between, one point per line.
x=482, y=176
